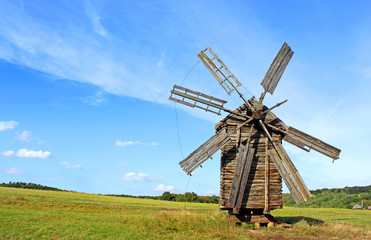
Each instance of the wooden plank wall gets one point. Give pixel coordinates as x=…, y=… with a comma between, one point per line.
x=254, y=196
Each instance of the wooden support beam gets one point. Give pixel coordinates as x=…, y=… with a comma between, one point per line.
x=266, y=198
x=271, y=108
x=243, y=150
x=241, y=174
x=245, y=176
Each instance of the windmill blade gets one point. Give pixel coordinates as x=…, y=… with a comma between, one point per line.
x=196, y=99
x=277, y=68
x=192, y=98
x=287, y=170
x=284, y=173
x=205, y=151
x=217, y=68
x=307, y=142
x=221, y=73
x=291, y=169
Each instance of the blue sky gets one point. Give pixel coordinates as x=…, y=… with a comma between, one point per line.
x=84, y=88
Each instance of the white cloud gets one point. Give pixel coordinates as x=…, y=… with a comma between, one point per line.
x=163, y=188
x=91, y=12
x=132, y=176
x=13, y=170
x=24, y=136
x=24, y=153
x=7, y=125
x=8, y=153
x=212, y=192
x=67, y=165
x=94, y=100
x=127, y=143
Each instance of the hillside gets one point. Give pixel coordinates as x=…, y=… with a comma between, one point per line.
x=334, y=198
x=38, y=214
x=322, y=198
x=29, y=186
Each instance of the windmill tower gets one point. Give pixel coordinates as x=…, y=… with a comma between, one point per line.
x=253, y=160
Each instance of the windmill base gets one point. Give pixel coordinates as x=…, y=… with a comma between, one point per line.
x=251, y=216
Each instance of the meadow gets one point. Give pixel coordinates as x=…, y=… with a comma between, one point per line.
x=38, y=214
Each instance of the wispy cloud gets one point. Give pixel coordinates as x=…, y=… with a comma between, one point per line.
x=13, y=170
x=163, y=188
x=24, y=153
x=7, y=125
x=121, y=62
x=212, y=192
x=7, y=153
x=95, y=100
x=132, y=176
x=74, y=51
x=127, y=143
x=95, y=18
x=68, y=165
x=24, y=136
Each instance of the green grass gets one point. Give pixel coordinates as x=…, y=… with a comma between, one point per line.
x=37, y=214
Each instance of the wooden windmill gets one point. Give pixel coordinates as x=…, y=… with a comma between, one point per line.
x=253, y=161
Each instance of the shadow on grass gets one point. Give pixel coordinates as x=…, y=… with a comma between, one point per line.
x=293, y=220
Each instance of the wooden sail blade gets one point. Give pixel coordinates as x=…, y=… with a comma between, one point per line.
x=287, y=170
x=208, y=103
x=192, y=98
x=296, y=195
x=307, y=142
x=217, y=68
x=276, y=69
x=291, y=169
x=205, y=151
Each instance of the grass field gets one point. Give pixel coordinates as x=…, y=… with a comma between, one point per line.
x=36, y=214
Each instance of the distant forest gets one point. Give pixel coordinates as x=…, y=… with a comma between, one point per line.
x=29, y=186
x=178, y=197
x=323, y=198
x=334, y=198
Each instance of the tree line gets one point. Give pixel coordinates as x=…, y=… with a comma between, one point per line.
x=322, y=198
x=29, y=186
x=334, y=198
x=176, y=197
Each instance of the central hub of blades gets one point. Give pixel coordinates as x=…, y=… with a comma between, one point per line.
x=257, y=114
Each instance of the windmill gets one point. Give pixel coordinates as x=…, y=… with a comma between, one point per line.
x=253, y=160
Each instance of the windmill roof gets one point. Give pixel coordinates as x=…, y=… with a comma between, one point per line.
x=269, y=118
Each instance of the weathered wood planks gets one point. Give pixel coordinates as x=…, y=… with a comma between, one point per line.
x=254, y=196
x=266, y=180
x=205, y=151
x=277, y=68
x=307, y=142
x=290, y=174
x=240, y=178
x=219, y=70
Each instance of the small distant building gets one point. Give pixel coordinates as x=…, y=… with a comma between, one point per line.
x=369, y=208
x=358, y=207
